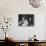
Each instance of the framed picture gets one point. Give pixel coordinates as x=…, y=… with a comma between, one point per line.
x=26, y=19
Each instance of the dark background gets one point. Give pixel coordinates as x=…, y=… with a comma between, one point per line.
x=27, y=16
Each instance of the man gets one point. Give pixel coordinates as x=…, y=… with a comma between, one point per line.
x=23, y=22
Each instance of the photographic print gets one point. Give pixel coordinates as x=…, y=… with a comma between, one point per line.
x=26, y=19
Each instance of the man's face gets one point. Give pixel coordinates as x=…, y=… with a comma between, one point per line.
x=30, y=19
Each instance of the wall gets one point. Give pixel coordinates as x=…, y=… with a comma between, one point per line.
x=11, y=8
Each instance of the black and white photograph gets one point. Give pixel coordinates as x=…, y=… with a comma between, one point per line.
x=26, y=19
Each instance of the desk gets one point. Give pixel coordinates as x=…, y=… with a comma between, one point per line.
x=28, y=43
x=31, y=43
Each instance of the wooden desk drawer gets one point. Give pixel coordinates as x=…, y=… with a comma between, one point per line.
x=25, y=44
x=21, y=44
x=42, y=44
